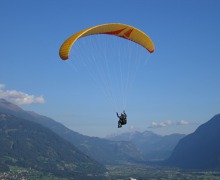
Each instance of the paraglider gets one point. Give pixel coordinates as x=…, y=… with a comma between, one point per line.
x=122, y=119
x=116, y=29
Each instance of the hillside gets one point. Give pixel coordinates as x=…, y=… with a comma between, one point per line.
x=151, y=145
x=199, y=150
x=30, y=145
x=102, y=150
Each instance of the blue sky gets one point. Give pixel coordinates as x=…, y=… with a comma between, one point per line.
x=175, y=91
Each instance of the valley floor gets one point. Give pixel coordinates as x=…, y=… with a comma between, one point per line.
x=143, y=172
x=120, y=172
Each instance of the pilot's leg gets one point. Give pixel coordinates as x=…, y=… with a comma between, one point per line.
x=119, y=124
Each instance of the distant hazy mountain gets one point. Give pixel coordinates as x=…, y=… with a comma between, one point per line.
x=151, y=145
x=199, y=150
x=102, y=150
x=30, y=145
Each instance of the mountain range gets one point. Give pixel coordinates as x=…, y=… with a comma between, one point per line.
x=152, y=146
x=199, y=150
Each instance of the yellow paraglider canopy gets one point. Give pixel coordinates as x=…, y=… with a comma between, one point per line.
x=116, y=29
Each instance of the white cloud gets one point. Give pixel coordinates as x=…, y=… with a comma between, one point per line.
x=18, y=97
x=183, y=122
x=167, y=123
